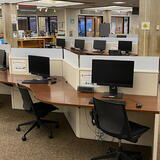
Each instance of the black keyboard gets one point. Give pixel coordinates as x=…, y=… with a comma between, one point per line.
x=3, y=68
x=111, y=101
x=35, y=81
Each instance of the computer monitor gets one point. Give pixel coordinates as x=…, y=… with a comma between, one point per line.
x=121, y=36
x=3, y=59
x=125, y=46
x=113, y=73
x=60, y=42
x=39, y=66
x=79, y=44
x=99, y=45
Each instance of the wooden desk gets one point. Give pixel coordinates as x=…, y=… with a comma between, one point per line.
x=63, y=94
x=95, y=53
x=31, y=43
x=46, y=39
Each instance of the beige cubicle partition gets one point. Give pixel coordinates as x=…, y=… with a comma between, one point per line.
x=145, y=83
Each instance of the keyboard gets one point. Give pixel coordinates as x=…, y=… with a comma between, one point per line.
x=3, y=68
x=35, y=81
x=110, y=101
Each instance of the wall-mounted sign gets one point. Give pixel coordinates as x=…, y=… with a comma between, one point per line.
x=13, y=18
x=145, y=25
x=19, y=66
x=72, y=21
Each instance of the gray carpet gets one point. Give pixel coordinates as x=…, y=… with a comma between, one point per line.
x=64, y=146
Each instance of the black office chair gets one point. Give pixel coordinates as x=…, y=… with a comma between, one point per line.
x=40, y=110
x=111, y=118
x=3, y=65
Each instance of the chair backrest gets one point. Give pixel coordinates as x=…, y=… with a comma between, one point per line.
x=27, y=101
x=2, y=58
x=111, y=118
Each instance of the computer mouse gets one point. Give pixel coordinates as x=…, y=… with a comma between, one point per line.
x=138, y=105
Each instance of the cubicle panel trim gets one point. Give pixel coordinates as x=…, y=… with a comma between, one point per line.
x=142, y=63
x=54, y=53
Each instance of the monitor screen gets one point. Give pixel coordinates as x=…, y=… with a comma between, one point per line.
x=39, y=65
x=79, y=43
x=135, y=10
x=60, y=42
x=2, y=58
x=99, y=45
x=113, y=72
x=121, y=36
x=125, y=46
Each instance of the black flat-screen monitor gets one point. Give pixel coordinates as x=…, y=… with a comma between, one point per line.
x=60, y=42
x=125, y=46
x=79, y=44
x=121, y=36
x=39, y=66
x=2, y=59
x=135, y=10
x=99, y=45
x=113, y=73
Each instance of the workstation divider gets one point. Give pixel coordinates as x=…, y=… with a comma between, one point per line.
x=111, y=42
x=146, y=74
x=4, y=89
x=74, y=66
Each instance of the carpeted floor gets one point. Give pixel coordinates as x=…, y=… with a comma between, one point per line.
x=64, y=146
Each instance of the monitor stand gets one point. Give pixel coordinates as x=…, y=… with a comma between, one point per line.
x=125, y=53
x=99, y=51
x=79, y=49
x=113, y=93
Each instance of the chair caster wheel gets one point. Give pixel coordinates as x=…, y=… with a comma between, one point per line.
x=57, y=126
x=50, y=137
x=38, y=126
x=18, y=129
x=24, y=138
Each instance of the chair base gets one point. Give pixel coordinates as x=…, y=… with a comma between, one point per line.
x=37, y=123
x=120, y=155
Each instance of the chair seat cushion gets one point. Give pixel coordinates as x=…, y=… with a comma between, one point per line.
x=42, y=109
x=136, y=131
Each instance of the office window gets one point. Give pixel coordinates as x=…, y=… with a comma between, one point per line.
x=23, y=23
x=47, y=24
x=33, y=24
x=81, y=26
x=27, y=23
x=88, y=26
x=119, y=25
x=53, y=24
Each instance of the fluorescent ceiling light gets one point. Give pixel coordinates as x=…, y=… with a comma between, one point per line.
x=13, y=1
x=51, y=3
x=111, y=8
x=120, y=2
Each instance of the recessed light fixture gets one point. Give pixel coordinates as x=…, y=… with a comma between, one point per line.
x=50, y=3
x=119, y=2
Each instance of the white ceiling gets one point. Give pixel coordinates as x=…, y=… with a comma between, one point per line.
x=86, y=3
x=49, y=3
x=112, y=8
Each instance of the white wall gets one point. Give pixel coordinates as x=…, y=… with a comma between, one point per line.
x=1, y=25
x=134, y=24
x=71, y=27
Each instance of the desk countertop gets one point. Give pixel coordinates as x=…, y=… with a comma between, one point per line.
x=62, y=94
x=95, y=53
